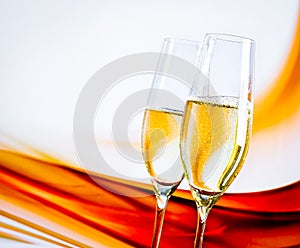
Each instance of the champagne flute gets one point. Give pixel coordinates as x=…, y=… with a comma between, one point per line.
x=217, y=121
x=161, y=127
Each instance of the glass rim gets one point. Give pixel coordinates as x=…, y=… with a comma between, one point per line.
x=229, y=37
x=181, y=40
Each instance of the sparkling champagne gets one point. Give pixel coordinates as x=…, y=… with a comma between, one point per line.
x=214, y=142
x=160, y=144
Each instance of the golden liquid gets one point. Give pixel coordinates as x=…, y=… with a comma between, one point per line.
x=214, y=142
x=160, y=144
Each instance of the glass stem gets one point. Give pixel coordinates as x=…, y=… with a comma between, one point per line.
x=201, y=222
x=161, y=205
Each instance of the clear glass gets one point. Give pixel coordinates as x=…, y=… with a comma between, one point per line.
x=217, y=121
x=162, y=124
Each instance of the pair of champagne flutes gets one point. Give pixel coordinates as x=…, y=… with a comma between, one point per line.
x=200, y=129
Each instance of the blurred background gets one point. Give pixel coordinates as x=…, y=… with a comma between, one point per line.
x=50, y=49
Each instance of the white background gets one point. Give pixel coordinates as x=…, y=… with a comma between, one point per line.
x=50, y=48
